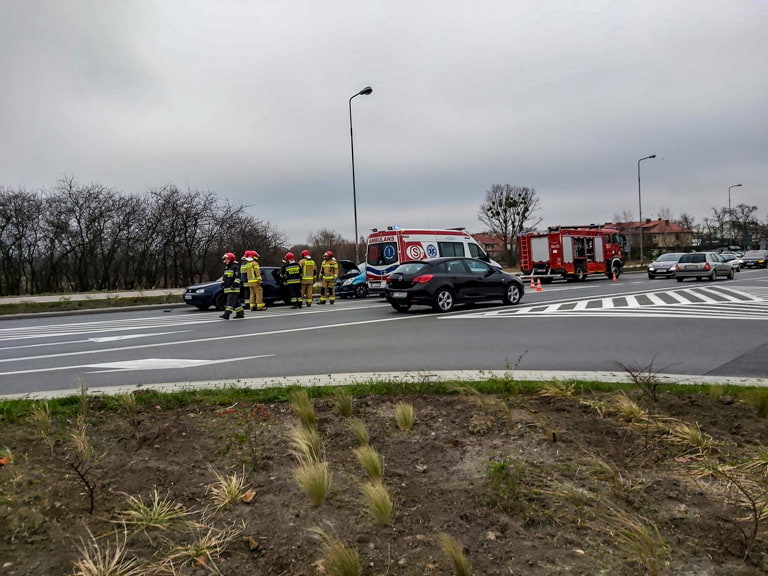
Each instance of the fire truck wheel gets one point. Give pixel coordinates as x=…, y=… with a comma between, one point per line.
x=401, y=307
x=615, y=271
x=444, y=300
x=580, y=274
x=511, y=294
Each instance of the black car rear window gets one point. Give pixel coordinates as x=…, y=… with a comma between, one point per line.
x=698, y=257
x=411, y=268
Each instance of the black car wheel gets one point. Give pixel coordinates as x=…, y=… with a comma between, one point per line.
x=651, y=276
x=680, y=279
x=220, y=301
x=361, y=291
x=512, y=294
x=730, y=274
x=444, y=300
x=713, y=276
x=400, y=307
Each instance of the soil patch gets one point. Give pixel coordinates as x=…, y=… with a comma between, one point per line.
x=525, y=484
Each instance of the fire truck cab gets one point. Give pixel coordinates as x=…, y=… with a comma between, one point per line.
x=389, y=248
x=572, y=252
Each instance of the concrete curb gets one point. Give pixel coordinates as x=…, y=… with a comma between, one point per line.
x=423, y=377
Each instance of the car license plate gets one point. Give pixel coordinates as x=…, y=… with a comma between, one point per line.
x=374, y=284
x=691, y=267
x=399, y=294
x=187, y=296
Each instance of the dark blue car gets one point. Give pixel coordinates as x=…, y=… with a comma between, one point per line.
x=208, y=294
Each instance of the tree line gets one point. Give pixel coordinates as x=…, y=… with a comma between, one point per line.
x=82, y=237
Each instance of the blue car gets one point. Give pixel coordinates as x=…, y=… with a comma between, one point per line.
x=208, y=294
x=354, y=284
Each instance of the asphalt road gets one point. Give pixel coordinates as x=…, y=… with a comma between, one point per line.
x=690, y=328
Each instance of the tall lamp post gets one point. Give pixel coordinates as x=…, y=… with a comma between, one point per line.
x=640, y=204
x=730, y=216
x=364, y=92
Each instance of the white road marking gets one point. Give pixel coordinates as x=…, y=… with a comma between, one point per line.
x=141, y=364
x=131, y=336
x=710, y=302
x=200, y=340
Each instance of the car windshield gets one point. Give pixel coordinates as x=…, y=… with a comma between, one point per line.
x=671, y=257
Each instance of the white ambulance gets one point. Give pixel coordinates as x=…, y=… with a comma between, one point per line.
x=389, y=248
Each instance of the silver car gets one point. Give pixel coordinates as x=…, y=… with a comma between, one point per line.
x=700, y=265
x=664, y=265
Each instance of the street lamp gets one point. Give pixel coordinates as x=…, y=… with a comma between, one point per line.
x=364, y=92
x=640, y=204
x=730, y=216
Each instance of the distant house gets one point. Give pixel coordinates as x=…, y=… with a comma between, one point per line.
x=493, y=245
x=657, y=234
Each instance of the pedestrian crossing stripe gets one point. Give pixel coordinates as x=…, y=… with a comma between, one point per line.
x=712, y=302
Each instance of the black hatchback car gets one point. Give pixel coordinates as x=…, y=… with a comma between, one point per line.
x=444, y=282
x=208, y=294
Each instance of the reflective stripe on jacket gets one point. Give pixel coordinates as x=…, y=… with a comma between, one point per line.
x=291, y=273
x=231, y=279
x=307, y=269
x=254, y=274
x=330, y=269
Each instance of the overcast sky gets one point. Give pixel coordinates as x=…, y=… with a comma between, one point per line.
x=249, y=99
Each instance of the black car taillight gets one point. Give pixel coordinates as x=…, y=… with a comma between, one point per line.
x=422, y=278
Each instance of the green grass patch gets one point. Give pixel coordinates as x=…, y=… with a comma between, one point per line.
x=66, y=305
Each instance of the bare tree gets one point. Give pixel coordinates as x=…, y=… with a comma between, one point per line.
x=687, y=221
x=507, y=211
x=664, y=213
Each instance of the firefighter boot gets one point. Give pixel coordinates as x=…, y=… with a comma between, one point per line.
x=226, y=314
x=240, y=314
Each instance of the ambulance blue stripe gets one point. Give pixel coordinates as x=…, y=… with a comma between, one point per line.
x=380, y=271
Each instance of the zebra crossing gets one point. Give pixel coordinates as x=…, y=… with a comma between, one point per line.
x=707, y=302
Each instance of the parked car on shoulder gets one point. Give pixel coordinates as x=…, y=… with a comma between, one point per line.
x=208, y=294
x=444, y=282
x=664, y=265
x=755, y=259
x=700, y=265
x=354, y=284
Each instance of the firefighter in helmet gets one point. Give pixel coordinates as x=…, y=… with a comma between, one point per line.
x=256, y=298
x=231, y=284
x=329, y=272
x=308, y=275
x=290, y=273
x=245, y=265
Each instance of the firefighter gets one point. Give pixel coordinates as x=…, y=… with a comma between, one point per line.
x=231, y=284
x=329, y=272
x=245, y=264
x=291, y=276
x=256, y=298
x=308, y=275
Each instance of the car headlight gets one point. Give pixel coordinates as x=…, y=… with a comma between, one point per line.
x=200, y=291
x=651, y=268
x=347, y=282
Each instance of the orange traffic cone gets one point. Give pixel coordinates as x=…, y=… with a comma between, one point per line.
x=614, y=279
x=533, y=284
x=538, y=286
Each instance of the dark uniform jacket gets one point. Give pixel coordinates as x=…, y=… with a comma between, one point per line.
x=291, y=273
x=232, y=280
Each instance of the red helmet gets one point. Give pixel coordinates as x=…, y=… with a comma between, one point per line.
x=305, y=253
x=229, y=257
x=255, y=254
x=289, y=256
x=328, y=254
x=251, y=254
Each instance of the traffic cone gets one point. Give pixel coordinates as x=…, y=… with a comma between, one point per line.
x=533, y=284
x=614, y=278
x=538, y=286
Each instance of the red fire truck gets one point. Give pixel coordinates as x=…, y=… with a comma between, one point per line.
x=572, y=252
